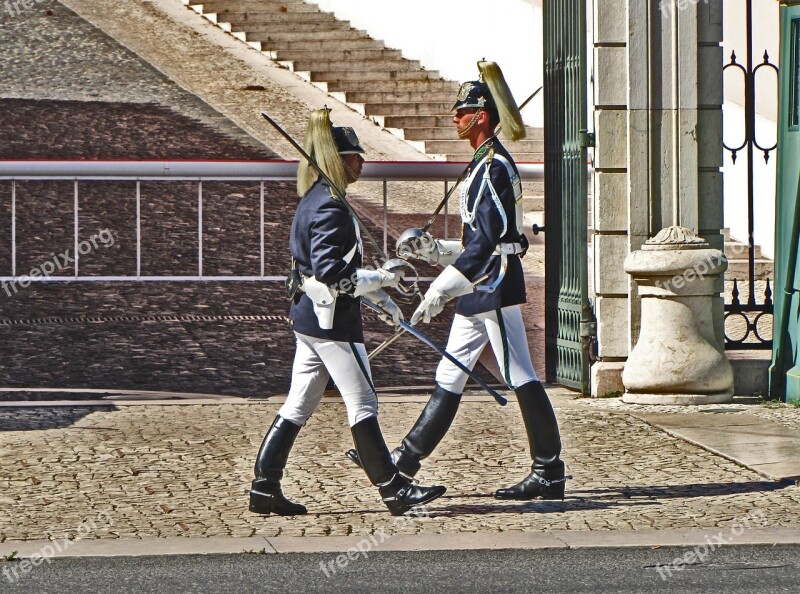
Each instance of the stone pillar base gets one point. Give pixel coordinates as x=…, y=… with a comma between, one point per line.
x=607, y=378
x=680, y=399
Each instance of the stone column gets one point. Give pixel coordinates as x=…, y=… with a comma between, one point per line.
x=658, y=124
x=678, y=359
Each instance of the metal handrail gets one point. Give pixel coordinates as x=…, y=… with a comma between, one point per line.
x=80, y=172
x=233, y=170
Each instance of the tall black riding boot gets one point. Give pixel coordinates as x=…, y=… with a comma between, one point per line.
x=265, y=494
x=397, y=492
x=425, y=435
x=547, y=477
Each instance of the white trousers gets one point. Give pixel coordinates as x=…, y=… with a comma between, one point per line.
x=318, y=359
x=505, y=330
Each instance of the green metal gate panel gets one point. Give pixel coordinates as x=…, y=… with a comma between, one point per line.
x=566, y=221
x=785, y=370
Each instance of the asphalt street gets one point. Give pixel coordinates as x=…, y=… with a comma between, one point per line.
x=729, y=569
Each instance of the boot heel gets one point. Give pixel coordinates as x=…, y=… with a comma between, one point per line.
x=396, y=507
x=401, y=495
x=554, y=492
x=274, y=503
x=261, y=503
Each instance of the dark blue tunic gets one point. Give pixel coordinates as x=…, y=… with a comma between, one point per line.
x=323, y=233
x=479, y=244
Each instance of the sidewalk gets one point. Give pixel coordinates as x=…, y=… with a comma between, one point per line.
x=148, y=470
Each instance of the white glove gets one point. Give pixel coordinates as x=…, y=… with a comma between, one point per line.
x=393, y=315
x=448, y=285
x=368, y=281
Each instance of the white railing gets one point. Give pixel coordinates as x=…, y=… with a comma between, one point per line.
x=83, y=172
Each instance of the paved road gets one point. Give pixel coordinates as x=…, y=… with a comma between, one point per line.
x=733, y=569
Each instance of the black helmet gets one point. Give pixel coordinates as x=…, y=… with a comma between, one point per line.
x=475, y=93
x=346, y=140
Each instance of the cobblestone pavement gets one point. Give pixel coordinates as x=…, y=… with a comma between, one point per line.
x=168, y=470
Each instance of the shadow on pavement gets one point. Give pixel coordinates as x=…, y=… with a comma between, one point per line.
x=41, y=418
x=686, y=491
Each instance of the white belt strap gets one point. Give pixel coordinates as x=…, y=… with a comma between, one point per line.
x=468, y=216
x=515, y=181
x=509, y=249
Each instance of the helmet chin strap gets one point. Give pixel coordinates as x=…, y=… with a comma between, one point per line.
x=349, y=171
x=465, y=132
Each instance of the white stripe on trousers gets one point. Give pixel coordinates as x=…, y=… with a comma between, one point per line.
x=468, y=337
x=315, y=361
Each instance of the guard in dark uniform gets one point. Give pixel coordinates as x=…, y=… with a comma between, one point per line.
x=483, y=269
x=325, y=286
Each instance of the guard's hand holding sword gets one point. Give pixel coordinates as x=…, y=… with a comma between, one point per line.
x=448, y=285
x=370, y=283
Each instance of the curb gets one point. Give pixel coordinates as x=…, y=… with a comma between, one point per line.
x=557, y=539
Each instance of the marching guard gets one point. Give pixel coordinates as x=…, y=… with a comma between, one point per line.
x=488, y=311
x=325, y=287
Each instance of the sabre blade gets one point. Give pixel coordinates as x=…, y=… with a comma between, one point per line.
x=385, y=344
x=417, y=334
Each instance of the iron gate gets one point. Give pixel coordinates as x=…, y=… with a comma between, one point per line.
x=567, y=311
x=751, y=313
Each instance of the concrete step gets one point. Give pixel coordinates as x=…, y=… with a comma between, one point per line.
x=379, y=96
x=531, y=218
x=466, y=157
x=343, y=54
x=738, y=269
x=320, y=45
x=312, y=28
x=449, y=133
x=248, y=5
x=216, y=6
x=458, y=146
x=379, y=65
x=397, y=86
x=375, y=76
x=444, y=121
x=418, y=121
x=401, y=108
x=532, y=203
x=275, y=17
x=301, y=36
x=736, y=250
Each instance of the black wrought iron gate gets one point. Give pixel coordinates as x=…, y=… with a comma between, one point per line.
x=567, y=311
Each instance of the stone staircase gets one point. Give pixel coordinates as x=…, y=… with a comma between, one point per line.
x=398, y=94
x=737, y=254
